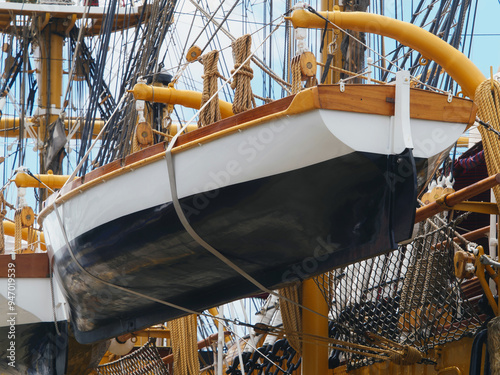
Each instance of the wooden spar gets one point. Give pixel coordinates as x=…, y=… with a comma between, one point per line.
x=27, y=265
x=159, y=333
x=51, y=181
x=201, y=344
x=447, y=202
x=124, y=18
x=474, y=234
x=9, y=126
x=488, y=208
x=170, y=95
x=469, y=236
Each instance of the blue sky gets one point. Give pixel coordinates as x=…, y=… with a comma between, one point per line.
x=486, y=46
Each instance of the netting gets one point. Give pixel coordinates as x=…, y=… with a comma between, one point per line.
x=410, y=295
x=144, y=361
x=277, y=358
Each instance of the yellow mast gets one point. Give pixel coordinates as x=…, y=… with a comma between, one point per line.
x=334, y=36
x=53, y=23
x=51, y=70
x=314, y=352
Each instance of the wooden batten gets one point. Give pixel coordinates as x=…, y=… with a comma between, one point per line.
x=427, y=105
x=379, y=100
x=156, y=149
x=265, y=110
x=26, y=265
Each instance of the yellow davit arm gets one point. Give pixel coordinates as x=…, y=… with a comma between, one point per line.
x=169, y=95
x=10, y=230
x=456, y=64
x=48, y=180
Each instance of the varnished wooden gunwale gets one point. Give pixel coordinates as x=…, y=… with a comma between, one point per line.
x=265, y=110
x=358, y=98
x=26, y=265
x=379, y=100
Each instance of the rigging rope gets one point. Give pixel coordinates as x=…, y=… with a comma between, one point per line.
x=82, y=161
x=31, y=239
x=157, y=16
x=73, y=61
x=3, y=212
x=386, y=350
x=255, y=59
x=380, y=56
x=99, y=87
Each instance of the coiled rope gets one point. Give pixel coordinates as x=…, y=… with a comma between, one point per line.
x=243, y=98
x=494, y=344
x=210, y=113
x=184, y=345
x=487, y=99
x=18, y=228
x=400, y=354
x=291, y=314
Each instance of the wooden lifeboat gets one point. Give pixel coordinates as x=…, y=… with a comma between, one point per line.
x=278, y=193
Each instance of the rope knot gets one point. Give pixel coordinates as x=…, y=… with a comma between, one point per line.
x=408, y=356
